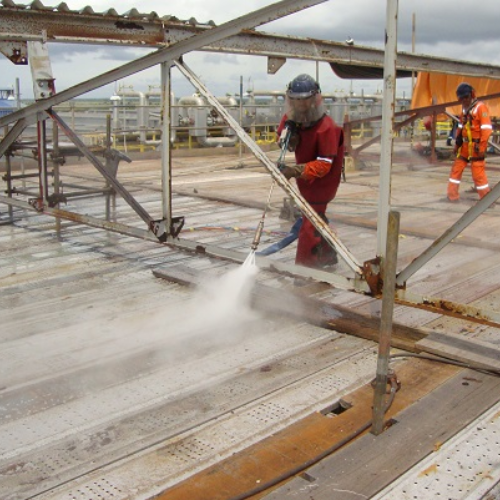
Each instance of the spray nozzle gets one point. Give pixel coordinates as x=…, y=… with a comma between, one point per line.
x=258, y=234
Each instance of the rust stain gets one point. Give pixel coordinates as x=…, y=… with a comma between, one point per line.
x=451, y=309
x=371, y=273
x=430, y=470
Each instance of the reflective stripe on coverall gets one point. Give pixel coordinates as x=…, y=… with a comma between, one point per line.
x=475, y=129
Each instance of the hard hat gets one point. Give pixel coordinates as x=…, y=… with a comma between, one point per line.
x=464, y=90
x=302, y=87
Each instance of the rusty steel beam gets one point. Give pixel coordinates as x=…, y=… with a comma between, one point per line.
x=144, y=30
x=73, y=27
x=448, y=308
x=88, y=220
x=177, y=50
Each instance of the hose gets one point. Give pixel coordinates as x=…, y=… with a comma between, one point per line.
x=486, y=371
x=313, y=461
x=305, y=465
x=260, y=226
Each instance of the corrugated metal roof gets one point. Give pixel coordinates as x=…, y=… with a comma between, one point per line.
x=133, y=13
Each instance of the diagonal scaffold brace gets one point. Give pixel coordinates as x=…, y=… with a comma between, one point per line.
x=276, y=174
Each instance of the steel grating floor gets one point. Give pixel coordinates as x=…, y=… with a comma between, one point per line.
x=108, y=391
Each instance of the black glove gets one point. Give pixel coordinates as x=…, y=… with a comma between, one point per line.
x=459, y=140
x=292, y=126
x=290, y=135
x=293, y=142
x=292, y=171
x=294, y=139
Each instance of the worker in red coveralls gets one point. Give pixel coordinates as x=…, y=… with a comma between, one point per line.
x=473, y=133
x=318, y=143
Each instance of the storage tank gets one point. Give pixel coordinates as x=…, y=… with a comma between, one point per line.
x=7, y=101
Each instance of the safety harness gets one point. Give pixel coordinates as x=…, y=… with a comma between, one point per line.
x=467, y=122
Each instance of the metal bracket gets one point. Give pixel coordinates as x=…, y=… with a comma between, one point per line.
x=176, y=225
x=158, y=227
x=274, y=64
x=393, y=383
x=15, y=51
x=41, y=70
x=36, y=203
x=113, y=158
x=55, y=199
x=373, y=276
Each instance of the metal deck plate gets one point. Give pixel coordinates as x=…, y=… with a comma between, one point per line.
x=148, y=473
x=466, y=467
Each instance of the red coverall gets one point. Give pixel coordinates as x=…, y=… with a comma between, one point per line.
x=321, y=151
x=475, y=129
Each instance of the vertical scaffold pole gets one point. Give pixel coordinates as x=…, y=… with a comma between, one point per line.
x=384, y=344
x=388, y=108
x=386, y=244
x=166, y=153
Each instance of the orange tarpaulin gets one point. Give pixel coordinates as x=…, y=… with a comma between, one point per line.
x=436, y=88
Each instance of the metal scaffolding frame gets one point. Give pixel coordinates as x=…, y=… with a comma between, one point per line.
x=18, y=26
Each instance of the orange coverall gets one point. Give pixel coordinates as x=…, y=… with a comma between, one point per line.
x=475, y=129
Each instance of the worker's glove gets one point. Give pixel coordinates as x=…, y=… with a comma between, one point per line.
x=290, y=133
x=459, y=141
x=292, y=171
x=293, y=141
x=292, y=126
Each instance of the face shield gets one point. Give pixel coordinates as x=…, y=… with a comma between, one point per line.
x=304, y=110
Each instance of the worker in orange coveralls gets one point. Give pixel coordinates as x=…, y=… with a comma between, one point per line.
x=473, y=133
x=318, y=143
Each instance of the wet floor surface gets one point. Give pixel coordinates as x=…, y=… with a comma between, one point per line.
x=107, y=371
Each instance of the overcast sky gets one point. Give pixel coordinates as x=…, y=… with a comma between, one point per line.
x=449, y=28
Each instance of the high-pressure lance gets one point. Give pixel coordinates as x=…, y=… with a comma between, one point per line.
x=288, y=131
